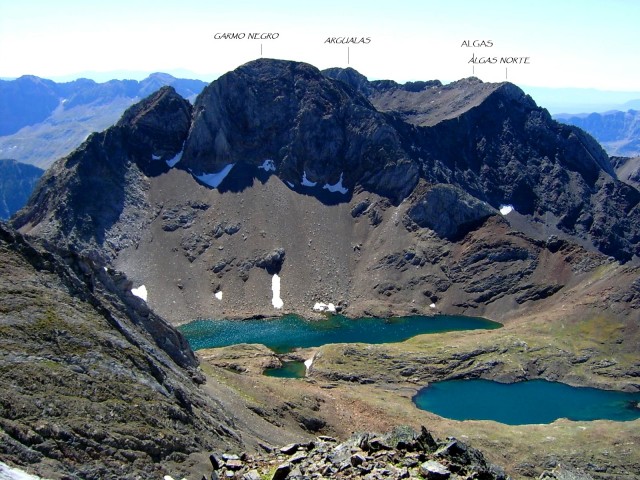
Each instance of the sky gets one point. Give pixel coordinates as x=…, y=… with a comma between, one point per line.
x=570, y=43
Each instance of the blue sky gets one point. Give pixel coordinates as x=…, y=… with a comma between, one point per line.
x=571, y=43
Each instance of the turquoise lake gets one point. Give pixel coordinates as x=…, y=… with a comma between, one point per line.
x=287, y=370
x=286, y=333
x=529, y=402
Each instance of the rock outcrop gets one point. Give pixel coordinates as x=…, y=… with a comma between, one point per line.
x=400, y=453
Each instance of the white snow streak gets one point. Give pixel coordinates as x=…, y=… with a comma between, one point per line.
x=141, y=292
x=308, y=363
x=215, y=179
x=155, y=157
x=275, y=288
x=306, y=182
x=506, y=209
x=433, y=305
x=324, y=307
x=337, y=187
x=268, y=166
x=290, y=184
x=10, y=473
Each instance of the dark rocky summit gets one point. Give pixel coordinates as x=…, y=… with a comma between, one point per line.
x=17, y=181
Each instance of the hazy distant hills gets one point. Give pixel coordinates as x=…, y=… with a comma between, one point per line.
x=618, y=132
x=17, y=181
x=41, y=120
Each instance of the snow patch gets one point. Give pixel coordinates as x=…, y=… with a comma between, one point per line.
x=337, y=188
x=215, y=179
x=308, y=363
x=10, y=473
x=290, y=184
x=172, y=161
x=306, y=182
x=218, y=294
x=324, y=307
x=268, y=166
x=155, y=157
x=141, y=292
x=433, y=305
x=506, y=209
x=275, y=288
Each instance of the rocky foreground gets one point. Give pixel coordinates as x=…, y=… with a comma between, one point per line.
x=399, y=454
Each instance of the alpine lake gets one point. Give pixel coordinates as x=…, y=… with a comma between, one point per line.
x=527, y=402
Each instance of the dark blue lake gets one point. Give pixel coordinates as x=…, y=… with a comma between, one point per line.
x=530, y=402
x=290, y=331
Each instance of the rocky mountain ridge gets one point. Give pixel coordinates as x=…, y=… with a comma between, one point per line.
x=368, y=184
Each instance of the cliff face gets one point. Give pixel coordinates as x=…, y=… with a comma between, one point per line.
x=370, y=189
x=310, y=127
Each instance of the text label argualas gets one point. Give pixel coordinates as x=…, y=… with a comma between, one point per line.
x=348, y=40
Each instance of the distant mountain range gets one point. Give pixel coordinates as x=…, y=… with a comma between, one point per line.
x=577, y=100
x=17, y=181
x=618, y=132
x=41, y=120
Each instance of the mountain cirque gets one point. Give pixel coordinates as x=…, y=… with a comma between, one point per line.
x=383, y=199
x=358, y=198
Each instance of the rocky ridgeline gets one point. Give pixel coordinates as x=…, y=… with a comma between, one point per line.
x=401, y=453
x=481, y=146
